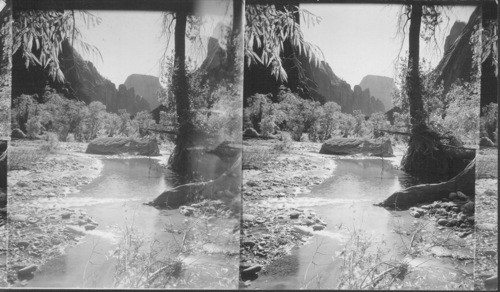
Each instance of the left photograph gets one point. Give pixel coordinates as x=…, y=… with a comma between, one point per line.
x=125, y=158
x=5, y=80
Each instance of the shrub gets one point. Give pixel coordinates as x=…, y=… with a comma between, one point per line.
x=252, y=159
x=33, y=127
x=267, y=126
x=51, y=143
x=70, y=138
x=285, y=143
x=23, y=158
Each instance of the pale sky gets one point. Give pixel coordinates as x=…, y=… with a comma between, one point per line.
x=361, y=39
x=356, y=39
x=131, y=42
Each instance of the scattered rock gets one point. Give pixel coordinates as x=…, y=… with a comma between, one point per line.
x=248, y=243
x=23, y=244
x=302, y=230
x=252, y=183
x=468, y=208
x=74, y=230
x=440, y=251
x=22, y=184
x=491, y=193
x=442, y=222
x=90, y=227
x=318, y=227
x=487, y=226
x=186, y=211
x=248, y=218
x=294, y=215
x=491, y=283
x=321, y=222
x=251, y=270
x=462, y=196
x=65, y=215
x=415, y=214
x=18, y=218
x=27, y=271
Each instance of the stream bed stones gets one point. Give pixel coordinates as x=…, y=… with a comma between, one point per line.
x=270, y=229
x=39, y=225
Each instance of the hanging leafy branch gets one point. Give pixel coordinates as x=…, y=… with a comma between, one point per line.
x=267, y=29
x=39, y=35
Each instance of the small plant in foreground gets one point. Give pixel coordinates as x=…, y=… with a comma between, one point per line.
x=52, y=143
x=285, y=143
x=23, y=159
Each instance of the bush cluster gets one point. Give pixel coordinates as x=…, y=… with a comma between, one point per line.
x=72, y=120
x=299, y=116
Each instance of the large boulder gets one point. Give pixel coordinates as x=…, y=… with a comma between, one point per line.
x=350, y=146
x=119, y=145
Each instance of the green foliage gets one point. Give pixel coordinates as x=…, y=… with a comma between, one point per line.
x=143, y=120
x=24, y=158
x=299, y=116
x=462, y=113
x=454, y=112
x=97, y=112
x=219, y=114
x=51, y=143
x=33, y=127
x=111, y=124
x=259, y=106
x=285, y=143
x=267, y=29
x=432, y=92
x=39, y=35
x=74, y=118
x=215, y=106
x=127, y=127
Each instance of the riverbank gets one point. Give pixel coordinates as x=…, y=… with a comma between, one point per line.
x=40, y=231
x=270, y=232
x=270, y=228
x=47, y=230
x=278, y=233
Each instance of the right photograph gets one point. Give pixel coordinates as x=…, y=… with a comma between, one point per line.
x=360, y=132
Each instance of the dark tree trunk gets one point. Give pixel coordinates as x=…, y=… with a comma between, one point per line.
x=426, y=193
x=179, y=78
x=417, y=113
x=179, y=161
x=427, y=156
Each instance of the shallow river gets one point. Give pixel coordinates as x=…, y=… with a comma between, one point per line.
x=345, y=202
x=115, y=200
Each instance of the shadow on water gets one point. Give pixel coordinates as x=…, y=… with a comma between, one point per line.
x=114, y=200
x=345, y=202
